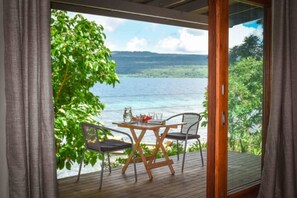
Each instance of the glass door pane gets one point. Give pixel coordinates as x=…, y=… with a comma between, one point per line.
x=245, y=94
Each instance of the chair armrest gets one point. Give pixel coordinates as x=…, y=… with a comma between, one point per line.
x=121, y=132
x=180, y=114
x=105, y=129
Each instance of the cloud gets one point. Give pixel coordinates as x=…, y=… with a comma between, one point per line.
x=196, y=41
x=195, y=32
x=109, y=24
x=136, y=44
x=111, y=46
x=239, y=32
x=187, y=41
x=169, y=43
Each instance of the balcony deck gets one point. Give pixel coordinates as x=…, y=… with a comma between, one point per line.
x=242, y=169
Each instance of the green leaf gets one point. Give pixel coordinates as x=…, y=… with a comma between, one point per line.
x=245, y=97
x=77, y=50
x=68, y=165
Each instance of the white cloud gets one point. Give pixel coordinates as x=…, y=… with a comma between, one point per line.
x=259, y=32
x=109, y=24
x=187, y=41
x=136, y=44
x=169, y=43
x=239, y=32
x=196, y=41
x=111, y=46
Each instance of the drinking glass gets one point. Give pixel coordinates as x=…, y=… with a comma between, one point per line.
x=159, y=116
x=127, y=116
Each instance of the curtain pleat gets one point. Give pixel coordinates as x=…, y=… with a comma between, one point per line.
x=29, y=117
x=279, y=176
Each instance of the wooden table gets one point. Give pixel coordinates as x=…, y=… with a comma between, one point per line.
x=149, y=163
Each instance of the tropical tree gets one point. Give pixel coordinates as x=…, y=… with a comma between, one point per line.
x=245, y=96
x=245, y=106
x=252, y=46
x=79, y=60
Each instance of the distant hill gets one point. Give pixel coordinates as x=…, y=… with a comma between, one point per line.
x=148, y=64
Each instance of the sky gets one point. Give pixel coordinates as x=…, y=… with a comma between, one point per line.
x=132, y=35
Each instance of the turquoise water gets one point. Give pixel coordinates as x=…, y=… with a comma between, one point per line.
x=163, y=95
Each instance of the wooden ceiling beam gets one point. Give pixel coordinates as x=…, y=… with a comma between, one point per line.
x=240, y=8
x=246, y=16
x=139, y=1
x=259, y=3
x=192, y=6
x=123, y=9
x=164, y=3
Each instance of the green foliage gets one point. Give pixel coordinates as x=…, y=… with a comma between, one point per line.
x=252, y=47
x=172, y=150
x=180, y=71
x=204, y=114
x=79, y=60
x=136, y=63
x=195, y=146
x=147, y=151
x=245, y=97
x=245, y=106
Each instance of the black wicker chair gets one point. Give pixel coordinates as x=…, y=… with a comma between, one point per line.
x=93, y=143
x=187, y=132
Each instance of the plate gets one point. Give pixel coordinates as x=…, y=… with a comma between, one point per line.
x=157, y=122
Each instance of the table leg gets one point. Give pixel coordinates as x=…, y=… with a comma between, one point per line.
x=160, y=145
x=154, y=154
x=139, y=149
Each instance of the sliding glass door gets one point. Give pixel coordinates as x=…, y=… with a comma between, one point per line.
x=245, y=97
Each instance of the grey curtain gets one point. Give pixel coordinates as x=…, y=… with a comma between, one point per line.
x=279, y=177
x=29, y=116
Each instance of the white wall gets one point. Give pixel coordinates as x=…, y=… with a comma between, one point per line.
x=3, y=162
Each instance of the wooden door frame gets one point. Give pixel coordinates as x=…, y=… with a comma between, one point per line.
x=217, y=152
x=218, y=21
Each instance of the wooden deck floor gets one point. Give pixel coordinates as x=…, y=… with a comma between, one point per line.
x=243, y=168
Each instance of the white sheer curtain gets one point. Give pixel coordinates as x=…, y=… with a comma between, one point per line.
x=279, y=177
x=29, y=116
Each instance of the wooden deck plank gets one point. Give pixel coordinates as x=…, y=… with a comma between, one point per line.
x=243, y=168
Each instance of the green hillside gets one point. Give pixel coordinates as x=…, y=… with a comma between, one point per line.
x=148, y=64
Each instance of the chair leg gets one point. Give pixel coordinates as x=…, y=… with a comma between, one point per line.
x=184, y=157
x=82, y=159
x=108, y=157
x=177, y=152
x=134, y=163
x=102, y=168
x=156, y=146
x=201, y=152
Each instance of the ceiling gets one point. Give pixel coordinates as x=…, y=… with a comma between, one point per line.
x=185, y=13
